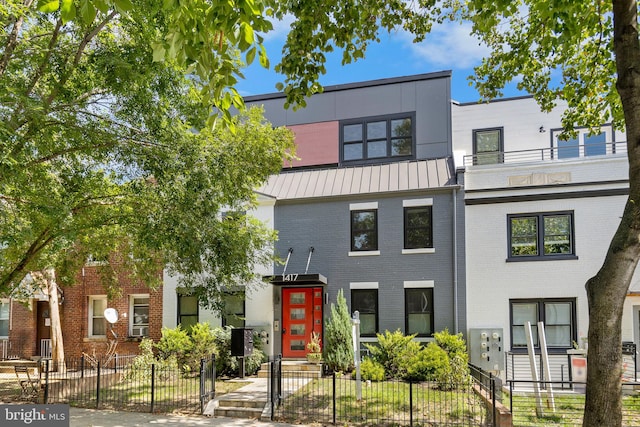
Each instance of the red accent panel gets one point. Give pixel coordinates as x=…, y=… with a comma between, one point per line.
x=317, y=144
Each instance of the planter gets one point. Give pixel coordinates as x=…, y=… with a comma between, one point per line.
x=314, y=357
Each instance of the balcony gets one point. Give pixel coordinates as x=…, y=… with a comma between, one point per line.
x=551, y=154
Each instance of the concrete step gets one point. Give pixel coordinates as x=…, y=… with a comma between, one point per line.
x=292, y=374
x=243, y=400
x=297, y=366
x=238, y=412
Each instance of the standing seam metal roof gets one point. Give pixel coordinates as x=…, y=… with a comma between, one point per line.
x=369, y=179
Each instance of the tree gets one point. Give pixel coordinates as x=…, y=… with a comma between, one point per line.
x=338, y=341
x=103, y=149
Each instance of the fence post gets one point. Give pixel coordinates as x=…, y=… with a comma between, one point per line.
x=411, y=403
x=82, y=366
x=492, y=380
x=115, y=363
x=202, y=383
x=272, y=372
x=98, y=388
x=334, y=397
x=46, y=381
x=213, y=375
x=153, y=386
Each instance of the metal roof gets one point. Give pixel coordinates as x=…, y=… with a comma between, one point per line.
x=382, y=178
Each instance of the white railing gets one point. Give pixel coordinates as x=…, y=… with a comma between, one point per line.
x=545, y=154
x=45, y=348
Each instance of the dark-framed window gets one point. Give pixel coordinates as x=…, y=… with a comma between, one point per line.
x=233, y=313
x=188, y=310
x=558, y=315
x=419, y=311
x=418, y=227
x=365, y=301
x=488, y=146
x=364, y=230
x=378, y=138
x=541, y=236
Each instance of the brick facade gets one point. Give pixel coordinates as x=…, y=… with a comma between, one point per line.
x=74, y=312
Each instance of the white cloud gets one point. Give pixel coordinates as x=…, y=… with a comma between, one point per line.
x=280, y=29
x=449, y=45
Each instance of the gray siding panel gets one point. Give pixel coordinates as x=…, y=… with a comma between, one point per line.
x=324, y=225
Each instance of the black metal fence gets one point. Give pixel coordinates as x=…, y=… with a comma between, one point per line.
x=122, y=384
x=562, y=404
x=341, y=400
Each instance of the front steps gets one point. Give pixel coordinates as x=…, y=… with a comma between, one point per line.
x=251, y=401
x=294, y=369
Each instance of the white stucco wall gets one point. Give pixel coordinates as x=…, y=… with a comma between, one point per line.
x=259, y=300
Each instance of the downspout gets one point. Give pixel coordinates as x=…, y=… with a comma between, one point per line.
x=456, y=326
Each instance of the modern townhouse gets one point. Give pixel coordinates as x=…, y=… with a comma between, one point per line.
x=372, y=207
x=540, y=213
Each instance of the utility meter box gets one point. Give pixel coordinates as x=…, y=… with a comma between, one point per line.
x=486, y=348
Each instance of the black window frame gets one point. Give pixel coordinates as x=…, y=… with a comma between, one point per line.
x=430, y=304
x=181, y=315
x=376, y=312
x=486, y=154
x=540, y=237
x=239, y=318
x=364, y=121
x=541, y=317
x=355, y=231
x=407, y=228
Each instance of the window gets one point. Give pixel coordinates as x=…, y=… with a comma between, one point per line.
x=97, y=322
x=541, y=236
x=364, y=230
x=233, y=312
x=378, y=138
x=419, y=311
x=187, y=311
x=487, y=146
x=584, y=143
x=365, y=301
x=4, y=318
x=558, y=316
x=418, y=231
x=139, y=318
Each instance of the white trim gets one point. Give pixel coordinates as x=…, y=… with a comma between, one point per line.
x=6, y=301
x=417, y=202
x=419, y=284
x=419, y=251
x=131, y=314
x=93, y=298
x=363, y=206
x=363, y=285
x=363, y=253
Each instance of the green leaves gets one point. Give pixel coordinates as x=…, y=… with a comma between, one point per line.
x=48, y=6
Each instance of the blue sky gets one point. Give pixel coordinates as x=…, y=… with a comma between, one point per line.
x=448, y=47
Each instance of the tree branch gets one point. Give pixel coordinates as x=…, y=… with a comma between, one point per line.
x=12, y=42
x=45, y=61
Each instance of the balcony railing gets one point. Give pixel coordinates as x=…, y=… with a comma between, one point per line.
x=586, y=151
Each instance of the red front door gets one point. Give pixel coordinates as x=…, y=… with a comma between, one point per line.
x=301, y=315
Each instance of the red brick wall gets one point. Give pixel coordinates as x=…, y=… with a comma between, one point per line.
x=22, y=332
x=75, y=321
x=74, y=313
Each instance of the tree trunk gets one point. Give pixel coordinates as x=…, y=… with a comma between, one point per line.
x=607, y=290
x=57, y=344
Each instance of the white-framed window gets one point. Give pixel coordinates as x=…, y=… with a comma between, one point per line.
x=4, y=318
x=97, y=322
x=364, y=300
x=364, y=229
x=139, y=318
x=418, y=226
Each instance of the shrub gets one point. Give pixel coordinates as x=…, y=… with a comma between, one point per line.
x=429, y=364
x=140, y=368
x=456, y=349
x=371, y=370
x=174, y=342
x=338, y=349
x=395, y=352
x=227, y=364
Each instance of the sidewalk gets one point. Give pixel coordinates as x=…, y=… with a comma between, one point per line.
x=99, y=418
